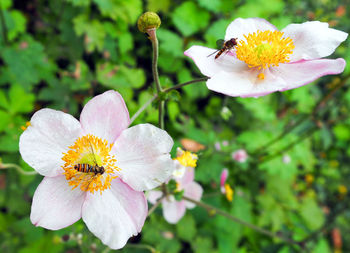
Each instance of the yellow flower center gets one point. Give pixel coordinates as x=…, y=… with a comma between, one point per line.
x=186, y=158
x=84, y=161
x=229, y=192
x=266, y=49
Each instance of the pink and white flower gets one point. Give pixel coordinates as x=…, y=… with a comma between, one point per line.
x=112, y=204
x=224, y=187
x=174, y=210
x=267, y=60
x=240, y=155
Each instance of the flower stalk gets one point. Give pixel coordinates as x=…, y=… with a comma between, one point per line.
x=18, y=168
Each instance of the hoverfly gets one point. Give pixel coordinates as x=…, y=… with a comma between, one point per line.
x=87, y=168
x=225, y=46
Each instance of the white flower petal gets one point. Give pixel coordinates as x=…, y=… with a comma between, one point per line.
x=142, y=154
x=55, y=204
x=301, y=73
x=153, y=196
x=193, y=191
x=43, y=143
x=105, y=116
x=244, y=84
x=116, y=215
x=173, y=211
x=241, y=26
x=209, y=65
x=313, y=40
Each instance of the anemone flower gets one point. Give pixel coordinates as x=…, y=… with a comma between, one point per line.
x=95, y=169
x=240, y=155
x=183, y=174
x=266, y=60
x=225, y=188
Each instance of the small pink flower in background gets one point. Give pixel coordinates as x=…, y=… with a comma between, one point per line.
x=286, y=159
x=226, y=188
x=267, y=60
x=174, y=210
x=217, y=146
x=112, y=204
x=240, y=155
x=225, y=143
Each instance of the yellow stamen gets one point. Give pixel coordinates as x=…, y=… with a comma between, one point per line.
x=186, y=158
x=26, y=126
x=342, y=189
x=265, y=49
x=91, y=150
x=309, y=178
x=229, y=192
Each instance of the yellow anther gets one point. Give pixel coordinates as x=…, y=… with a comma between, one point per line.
x=186, y=158
x=342, y=189
x=229, y=192
x=89, y=150
x=265, y=49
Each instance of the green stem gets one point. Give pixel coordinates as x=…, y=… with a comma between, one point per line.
x=161, y=114
x=3, y=26
x=142, y=108
x=175, y=87
x=141, y=246
x=178, y=86
x=18, y=168
x=212, y=209
x=291, y=145
x=154, y=207
x=154, y=40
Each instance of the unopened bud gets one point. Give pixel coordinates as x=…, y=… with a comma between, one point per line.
x=148, y=20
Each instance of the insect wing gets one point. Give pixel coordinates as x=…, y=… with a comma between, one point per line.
x=220, y=43
x=93, y=153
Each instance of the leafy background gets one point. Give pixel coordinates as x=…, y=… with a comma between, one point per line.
x=60, y=53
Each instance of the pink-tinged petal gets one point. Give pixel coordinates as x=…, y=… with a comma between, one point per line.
x=142, y=154
x=187, y=178
x=43, y=143
x=223, y=178
x=209, y=65
x=244, y=84
x=241, y=26
x=55, y=204
x=301, y=73
x=193, y=191
x=105, y=116
x=116, y=215
x=173, y=210
x=313, y=40
x=153, y=196
x=240, y=155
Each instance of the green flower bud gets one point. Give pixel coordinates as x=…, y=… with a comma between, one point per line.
x=147, y=21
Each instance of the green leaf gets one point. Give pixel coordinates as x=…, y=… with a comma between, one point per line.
x=186, y=228
x=311, y=213
x=342, y=132
x=156, y=5
x=20, y=100
x=170, y=42
x=79, y=3
x=212, y=5
x=128, y=11
x=188, y=23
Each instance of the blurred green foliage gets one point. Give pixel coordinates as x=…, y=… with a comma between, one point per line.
x=59, y=54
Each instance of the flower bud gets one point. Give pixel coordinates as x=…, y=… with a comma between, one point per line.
x=148, y=20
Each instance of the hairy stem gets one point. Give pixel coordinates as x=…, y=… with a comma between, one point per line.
x=153, y=37
x=178, y=86
x=154, y=207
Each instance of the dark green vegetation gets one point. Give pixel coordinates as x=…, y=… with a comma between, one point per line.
x=60, y=53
